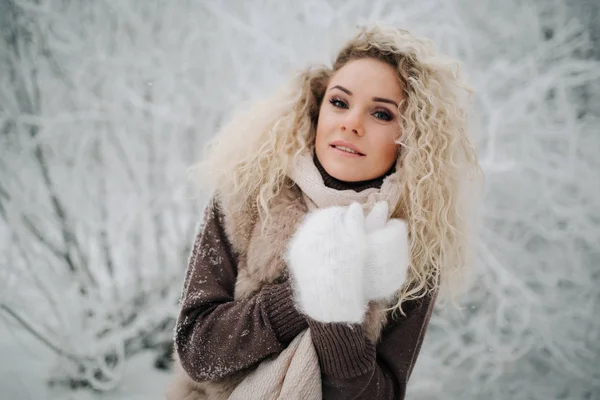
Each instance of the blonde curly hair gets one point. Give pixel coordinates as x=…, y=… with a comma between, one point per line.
x=252, y=153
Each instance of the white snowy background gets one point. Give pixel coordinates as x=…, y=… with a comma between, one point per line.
x=103, y=105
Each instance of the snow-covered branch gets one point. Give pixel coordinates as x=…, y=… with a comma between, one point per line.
x=104, y=104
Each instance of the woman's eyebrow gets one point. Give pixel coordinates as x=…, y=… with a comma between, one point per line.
x=377, y=99
x=383, y=100
x=343, y=89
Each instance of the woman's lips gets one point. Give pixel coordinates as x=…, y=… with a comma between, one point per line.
x=346, y=145
x=345, y=153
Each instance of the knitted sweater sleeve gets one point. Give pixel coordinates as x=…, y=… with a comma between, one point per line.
x=352, y=367
x=215, y=335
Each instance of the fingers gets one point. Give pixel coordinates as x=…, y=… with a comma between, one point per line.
x=387, y=261
x=354, y=219
x=397, y=227
x=378, y=217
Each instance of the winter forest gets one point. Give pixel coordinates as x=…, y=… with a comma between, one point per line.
x=105, y=104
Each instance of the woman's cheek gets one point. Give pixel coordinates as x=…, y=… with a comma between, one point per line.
x=333, y=121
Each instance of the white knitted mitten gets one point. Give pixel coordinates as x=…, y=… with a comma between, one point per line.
x=326, y=258
x=388, y=254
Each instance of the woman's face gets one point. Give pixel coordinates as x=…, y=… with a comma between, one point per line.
x=358, y=121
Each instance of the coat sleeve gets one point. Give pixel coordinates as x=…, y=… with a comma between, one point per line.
x=352, y=367
x=215, y=335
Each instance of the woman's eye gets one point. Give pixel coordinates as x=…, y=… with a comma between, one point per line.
x=383, y=115
x=338, y=103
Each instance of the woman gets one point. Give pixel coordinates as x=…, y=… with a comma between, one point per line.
x=336, y=220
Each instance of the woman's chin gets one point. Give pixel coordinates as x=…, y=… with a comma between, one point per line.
x=345, y=175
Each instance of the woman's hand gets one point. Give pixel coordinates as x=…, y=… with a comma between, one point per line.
x=339, y=261
x=388, y=254
x=327, y=258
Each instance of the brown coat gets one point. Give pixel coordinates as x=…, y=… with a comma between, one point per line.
x=237, y=310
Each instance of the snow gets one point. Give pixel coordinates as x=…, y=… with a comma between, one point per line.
x=26, y=367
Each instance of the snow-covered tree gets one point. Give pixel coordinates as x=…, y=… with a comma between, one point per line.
x=104, y=104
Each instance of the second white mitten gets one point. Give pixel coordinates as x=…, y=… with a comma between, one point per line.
x=388, y=254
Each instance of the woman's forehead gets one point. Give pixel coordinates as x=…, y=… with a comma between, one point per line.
x=368, y=77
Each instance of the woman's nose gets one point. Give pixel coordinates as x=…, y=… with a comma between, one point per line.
x=353, y=122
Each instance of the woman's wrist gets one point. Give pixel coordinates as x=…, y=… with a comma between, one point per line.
x=278, y=304
x=343, y=349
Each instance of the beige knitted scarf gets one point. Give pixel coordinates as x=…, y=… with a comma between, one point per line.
x=306, y=175
x=295, y=373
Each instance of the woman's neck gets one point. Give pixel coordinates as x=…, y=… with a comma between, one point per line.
x=337, y=184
